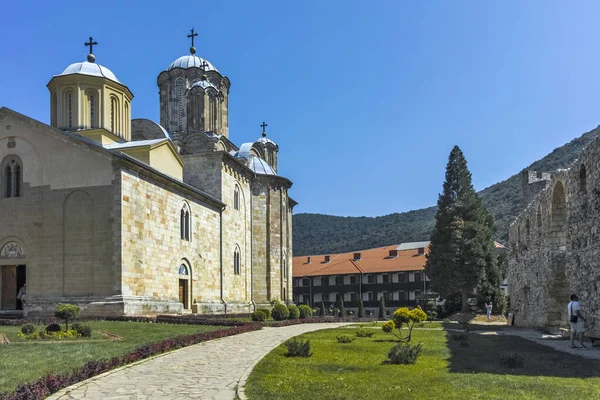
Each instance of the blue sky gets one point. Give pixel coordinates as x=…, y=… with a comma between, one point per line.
x=365, y=99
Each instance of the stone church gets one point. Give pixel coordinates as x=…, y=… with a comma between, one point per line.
x=555, y=246
x=125, y=216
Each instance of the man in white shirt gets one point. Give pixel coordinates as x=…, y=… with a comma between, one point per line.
x=577, y=321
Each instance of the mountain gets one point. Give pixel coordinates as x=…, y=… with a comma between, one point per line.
x=321, y=234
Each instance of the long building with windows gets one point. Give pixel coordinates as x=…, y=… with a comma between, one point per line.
x=392, y=272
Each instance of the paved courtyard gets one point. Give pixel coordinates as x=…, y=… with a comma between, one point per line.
x=209, y=370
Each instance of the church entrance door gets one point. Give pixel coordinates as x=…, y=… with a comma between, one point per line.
x=9, y=287
x=183, y=293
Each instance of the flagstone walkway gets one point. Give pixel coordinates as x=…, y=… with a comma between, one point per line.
x=209, y=370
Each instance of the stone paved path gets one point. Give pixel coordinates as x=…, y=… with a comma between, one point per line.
x=209, y=370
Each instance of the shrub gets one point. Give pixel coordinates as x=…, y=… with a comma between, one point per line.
x=409, y=317
x=361, y=309
x=67, y=312
x=382, y=308
x=341, y=309
x=294, y=312
x=364, y=333
x=405, y=353
x=53, y=328
x=305, y=311
x=28, y=329
x=298, y=348
x=280, y=312
x=266, y=311
x=322, y=310
x=512, y=361
x=82, y=329
x=345, y=339
x=258, y=316
x=388, y=327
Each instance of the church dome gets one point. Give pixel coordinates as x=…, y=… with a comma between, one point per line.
x=265, y=140
x=203, y=84
x=92, y=69
x=191, y=61
x=260, y=166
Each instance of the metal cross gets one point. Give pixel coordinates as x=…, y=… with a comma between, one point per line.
x=91, y=43
x=263, y=125
x=203, y=66
x=192, y=36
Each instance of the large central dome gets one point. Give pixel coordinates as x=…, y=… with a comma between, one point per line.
x=88, y=68
x=191, y=61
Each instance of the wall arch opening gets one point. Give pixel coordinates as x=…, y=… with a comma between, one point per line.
x=558, y=226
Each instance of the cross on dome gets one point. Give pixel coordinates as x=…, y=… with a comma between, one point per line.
x=90, y=56
x=263, y=126
x=192, y=35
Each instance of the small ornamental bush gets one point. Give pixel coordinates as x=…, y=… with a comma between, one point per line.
x=345, y=339
x=67, y=312
x=388, y=327
x=258, y=316
x=341, y=308
x=293, y=311
x=512, y=361
x=305, y=311
x=405, y=316
x=361, y=309
x=322, y=309
x=280, y=312
x=298, y=348
x=28, y=329
x=82, y=329
x=53, y=328
x=405, y=353
x=382, y=315
x=364, y=333
x=266, y=311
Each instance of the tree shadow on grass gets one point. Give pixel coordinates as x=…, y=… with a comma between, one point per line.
x=484, y=352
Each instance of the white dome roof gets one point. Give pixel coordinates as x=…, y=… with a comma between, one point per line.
x=191, y=61
x=88, y=68
x=203, y=85
x=260, y=166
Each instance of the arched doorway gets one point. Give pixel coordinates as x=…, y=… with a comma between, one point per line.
x=184, y=285
x=12, y=276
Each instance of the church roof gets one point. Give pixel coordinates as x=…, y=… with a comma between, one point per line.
x=260, y=166
x=265, y=140
x=92, y=69
x=137, y=143
x=203, y=85
x=191, y=61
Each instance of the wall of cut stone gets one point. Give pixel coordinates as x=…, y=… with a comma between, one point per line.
x=555, y=248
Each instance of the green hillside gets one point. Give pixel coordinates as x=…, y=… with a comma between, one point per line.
x=320, y=234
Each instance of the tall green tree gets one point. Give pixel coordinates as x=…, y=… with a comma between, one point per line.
x=462, y=245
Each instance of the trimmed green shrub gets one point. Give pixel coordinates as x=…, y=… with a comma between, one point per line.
x=298, y=348
x=53, y=328
x=322, y=311
x=280, y=312
x=345, y=339
x=258, y=316
x=389, y=327
x=82, y=329
x=361, y=309
x=28, y=329
x=382, y=315
x=405, y=316
x=365, y=332
x=266, y=311
x=67, y=312
x=305, y=311
x=405, y=353
x=293, y=311
x=512, y=361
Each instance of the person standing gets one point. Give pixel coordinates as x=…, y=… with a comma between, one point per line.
x=22, y=295
x=489, y=310
x=577, y=321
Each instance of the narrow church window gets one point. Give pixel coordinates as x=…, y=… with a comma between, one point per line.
x=582, y=179
x=183, y=270
x=185, y=223
x=179, y=86
x=8, y=181
x=236, y=197
x=114, y=116
x=126, y=120
x=70, y=109
x=182, y=223
x=54, y=107
x=187, y=226
x=18, y=181
x=236, y=261
x=91, y=96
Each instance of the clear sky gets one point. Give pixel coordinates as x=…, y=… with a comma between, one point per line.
x=364, y=98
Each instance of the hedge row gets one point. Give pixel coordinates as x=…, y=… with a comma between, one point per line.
x=198, y=319
x=52, y=383
x=318, y=320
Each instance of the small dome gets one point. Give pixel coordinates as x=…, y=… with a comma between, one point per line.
x=191, y=61
x=88, y=68
x=203, y=85
x=265, y=140
x=260, y=166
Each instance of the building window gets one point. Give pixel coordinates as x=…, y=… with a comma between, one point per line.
x=185, y=223
x=236, y=197
x=283, y=268
x=353, y=280
x=402, y=277
x=417, y=277
x=305, y=282
x=582, y=179
x=370, y=296
x=339, y=281
x=386, y=278
x=54, y=109
x=126, y=119
x=353, y=297
x=389, y=295
x=401, y=295
x=236, y=261
x=323, y=281
x=370, y=279
x=12, y=177
x=114, y=116
x=179, y=89
x=183, y=270
x=70, y=110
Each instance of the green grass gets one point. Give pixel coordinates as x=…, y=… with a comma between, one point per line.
x=25, y=360
x=445, y=370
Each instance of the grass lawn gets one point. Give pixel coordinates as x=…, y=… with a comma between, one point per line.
x=445, y=370
x=25, y=360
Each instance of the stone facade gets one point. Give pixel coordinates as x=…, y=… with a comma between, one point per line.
x=555, y=247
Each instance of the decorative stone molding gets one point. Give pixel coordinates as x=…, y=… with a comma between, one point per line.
x=12, y=250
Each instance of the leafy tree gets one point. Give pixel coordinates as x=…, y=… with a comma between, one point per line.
x=322, y=308
x=66, y=312
x=462, y=247
x=341, y=307
x=381, y=308
x=404, y=316
x=361, y=309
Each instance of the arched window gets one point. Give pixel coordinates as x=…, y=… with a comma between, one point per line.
x=237, y=270
x=582, y=179
x=12, y=176
x=179, y=97
x=126, y=119
x=114, y=116
x=539, y=216
x=527, y=230
x=69, y=109
x=54, y=110
x=185, y=223
x=183, y=270
x=236, y=197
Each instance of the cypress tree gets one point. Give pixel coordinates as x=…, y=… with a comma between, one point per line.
x=462, y=246
x=341, y=307
x=322, y=308
x=382, y=315
x=361, y=309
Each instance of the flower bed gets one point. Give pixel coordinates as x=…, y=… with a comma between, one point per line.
x=52, y=383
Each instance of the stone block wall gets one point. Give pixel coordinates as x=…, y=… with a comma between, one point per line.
x=555, y=248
